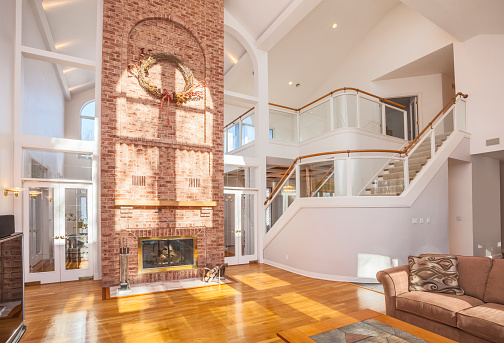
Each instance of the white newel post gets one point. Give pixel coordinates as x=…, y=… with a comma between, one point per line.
x=405, y=116
x=357, y=98
x=349, y=176
x=298, y=181
x=406, y=172
x=383, y=119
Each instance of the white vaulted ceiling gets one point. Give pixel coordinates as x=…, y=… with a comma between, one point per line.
x=463, y=19
x=308, y=52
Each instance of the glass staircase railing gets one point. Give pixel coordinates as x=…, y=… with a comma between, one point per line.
x=371, y=172
x=341, y=108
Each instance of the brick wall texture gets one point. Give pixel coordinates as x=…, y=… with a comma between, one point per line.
x=12, y=270
x=136, y=139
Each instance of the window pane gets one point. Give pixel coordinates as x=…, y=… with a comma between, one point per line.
x=43, y=164
x=233, y=137
x=248, y=130
x=88, y=110
x=87, y=129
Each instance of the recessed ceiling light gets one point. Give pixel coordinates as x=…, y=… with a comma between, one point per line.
x=334, y=25
x=290, y=83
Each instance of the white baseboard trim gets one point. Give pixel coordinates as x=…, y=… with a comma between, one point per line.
x=320, y=276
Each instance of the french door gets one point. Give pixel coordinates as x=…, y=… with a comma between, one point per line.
x=240, y=234
x=58, y=226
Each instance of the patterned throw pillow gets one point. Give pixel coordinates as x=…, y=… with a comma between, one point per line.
x=434, y=274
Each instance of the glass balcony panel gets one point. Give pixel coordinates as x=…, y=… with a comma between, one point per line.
x=345, y=111
x=240, y=177
x=317, y=179
x=444, y=129
x=282, y=126
x=233, y=137
x=340, y=177
x=248, y=130
x=281, y=201
x=367, y=171
x=315, y=121
x=460, y=110
x=370, y=115
x=394, y=119
x=42, y=164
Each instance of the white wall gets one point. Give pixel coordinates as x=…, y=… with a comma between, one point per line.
x=7, y=30
x=429, y=89
x=401, y=37
x=460, y=208
x=479, y=72
x=486, y=205
x=328, y=241
x=72, y=112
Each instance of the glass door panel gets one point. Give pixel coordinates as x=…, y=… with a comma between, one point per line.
x=248, y=231
x=240, y=215
x=229, y=225
x=76, y=228
x=41, y=229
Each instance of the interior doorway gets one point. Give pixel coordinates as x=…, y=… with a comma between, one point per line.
x=240, y=213
x=57, y=227
x=411, y=107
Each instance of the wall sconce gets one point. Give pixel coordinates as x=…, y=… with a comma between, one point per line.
x=34, y=194
x=14, y=191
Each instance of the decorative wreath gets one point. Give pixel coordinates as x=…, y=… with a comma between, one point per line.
x=191, y=92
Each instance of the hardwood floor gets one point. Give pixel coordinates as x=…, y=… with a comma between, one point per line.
x=263, y=301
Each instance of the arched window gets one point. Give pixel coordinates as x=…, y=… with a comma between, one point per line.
x=87, y=115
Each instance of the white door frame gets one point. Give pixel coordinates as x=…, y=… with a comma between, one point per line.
x=60, y=273
x=239, y=258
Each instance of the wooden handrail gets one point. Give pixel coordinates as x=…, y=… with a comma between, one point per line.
x=282, y=106
x=400, y=152
x=324, y=154
x=241, y=116
x=451, y=102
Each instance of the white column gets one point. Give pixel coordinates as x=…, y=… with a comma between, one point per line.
x=261, y=143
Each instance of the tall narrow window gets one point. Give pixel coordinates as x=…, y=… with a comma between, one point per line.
x=87, y=121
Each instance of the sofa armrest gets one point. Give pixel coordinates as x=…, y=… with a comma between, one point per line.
x=395, y=281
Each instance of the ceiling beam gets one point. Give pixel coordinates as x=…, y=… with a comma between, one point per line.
x=47, y=37
x=54, y=57
x=234, y=96
x=289, y=18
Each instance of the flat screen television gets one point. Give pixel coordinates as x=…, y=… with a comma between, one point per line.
x=6, y=225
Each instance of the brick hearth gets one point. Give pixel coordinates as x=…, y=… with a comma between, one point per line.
x=144, y=158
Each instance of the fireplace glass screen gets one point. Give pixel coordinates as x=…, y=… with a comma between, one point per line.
x=167, y=253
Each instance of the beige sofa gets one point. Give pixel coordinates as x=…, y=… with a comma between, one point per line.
x=475, y=317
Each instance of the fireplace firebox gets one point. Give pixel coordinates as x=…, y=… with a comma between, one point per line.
x=161, y=254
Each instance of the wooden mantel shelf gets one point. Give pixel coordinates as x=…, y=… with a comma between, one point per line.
x=165, y=203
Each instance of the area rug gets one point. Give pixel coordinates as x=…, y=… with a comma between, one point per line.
x=367, y=331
